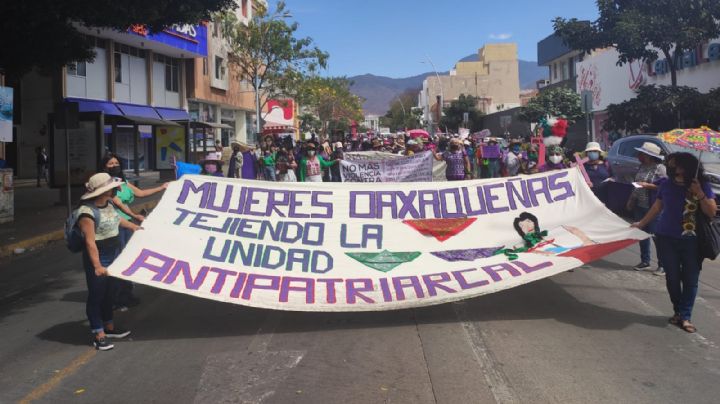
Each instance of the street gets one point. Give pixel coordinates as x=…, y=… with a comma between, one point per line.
x=598, y=334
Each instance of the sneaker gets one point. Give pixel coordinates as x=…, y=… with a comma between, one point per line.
x=117, y=333
x=641, y=266
x=659, y=272
x=102, y=344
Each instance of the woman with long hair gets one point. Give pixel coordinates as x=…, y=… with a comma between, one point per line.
x=685, y=195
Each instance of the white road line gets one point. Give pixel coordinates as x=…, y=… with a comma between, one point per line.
x=494, y=375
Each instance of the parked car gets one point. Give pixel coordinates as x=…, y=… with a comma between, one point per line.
x=623, y=161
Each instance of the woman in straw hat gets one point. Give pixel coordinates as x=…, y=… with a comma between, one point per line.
x=212, y=165
x=99, y=222
x=597, y=169
x=650, y=172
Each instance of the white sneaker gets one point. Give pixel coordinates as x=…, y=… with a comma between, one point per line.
x=659, y=272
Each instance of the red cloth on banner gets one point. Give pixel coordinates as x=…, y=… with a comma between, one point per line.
x=592, y=253
x=441, y=229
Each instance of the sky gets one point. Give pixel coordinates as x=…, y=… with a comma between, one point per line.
x=395, y=38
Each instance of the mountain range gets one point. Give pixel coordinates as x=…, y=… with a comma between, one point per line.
x=379, y=91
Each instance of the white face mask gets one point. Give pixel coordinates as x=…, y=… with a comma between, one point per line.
x=311, y=153
x=556, y=159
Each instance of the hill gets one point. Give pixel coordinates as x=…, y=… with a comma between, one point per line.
x=379, y=91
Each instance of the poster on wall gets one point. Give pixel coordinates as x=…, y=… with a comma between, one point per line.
x=83, y=154
x=366, y=247
x=6, y=114
x=170, y=143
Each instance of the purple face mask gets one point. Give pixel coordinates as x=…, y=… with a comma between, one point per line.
x=210, y=168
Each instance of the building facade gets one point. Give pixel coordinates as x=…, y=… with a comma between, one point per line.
x=561, y=63
x=494, y=80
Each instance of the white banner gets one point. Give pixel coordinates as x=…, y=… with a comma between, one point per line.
x=361, y=247
x=356, y=167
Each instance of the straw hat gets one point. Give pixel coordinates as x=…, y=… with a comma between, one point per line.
x=593, y=146
x=338, y=144
x=241, y=145
x=99, y=184
x=651, y=149
x=213, y=157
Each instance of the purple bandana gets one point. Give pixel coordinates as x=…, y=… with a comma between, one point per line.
x=471, y=254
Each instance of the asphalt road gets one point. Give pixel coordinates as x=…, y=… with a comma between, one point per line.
x=596, y=335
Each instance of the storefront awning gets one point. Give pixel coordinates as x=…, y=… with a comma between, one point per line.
x=139, y=111
x=121, y=113
x=172, y=114
x=106, y=107
x=212, y=125
x=138, y=120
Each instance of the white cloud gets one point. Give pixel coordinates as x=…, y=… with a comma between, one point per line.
x=501, y=37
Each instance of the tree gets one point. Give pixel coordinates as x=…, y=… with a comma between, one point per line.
x=455, y=114
x=645, y=29
x=557, y=102
x=330, y=100
x=268, y=54
x=402, y=115
x=663, y=108
x=43, y=33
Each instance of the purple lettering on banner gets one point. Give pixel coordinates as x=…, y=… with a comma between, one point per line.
x=490, y=198
x=267, y=256
x=222, y=275
x=250, y=202
x=241, y=203
x=354, y=292
x=320, y=236
x=208, y=253
x=319, y=204
x=464, y=285
x=183, y=214
x=407, y=205
x=330, y=289
x=494, y=270
x=141, y=262
x=433, y=284
x=286, y=287
x=247, y=224
x=318, y=267
x=543, y=189
x=354, y=205
x=400, y=286
x=446, y=214
x=468, y=204
x=514, y=195
x=201, y=218
x=429, y=198
x=386, y=199
x=252, y=284
x=385, y=288
x=190, y=283
x=296, y=256
x=189, y=186
x=273, y=202
x=246, y=253
x=564, y=186
x=294, y=204
x=239, y=283
x=530, y=269
x=226, y=200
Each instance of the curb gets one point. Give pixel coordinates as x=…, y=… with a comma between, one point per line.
x=36, y=242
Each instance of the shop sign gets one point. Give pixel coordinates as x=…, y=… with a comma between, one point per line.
x=688, y=59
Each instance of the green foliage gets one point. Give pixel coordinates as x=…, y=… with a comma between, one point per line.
x=401, y=114
x=43, y=34
x=454, y=114
x=330, y=101
x=557, y=102
x=268, y=53
x=663, y=108
x=644, y=29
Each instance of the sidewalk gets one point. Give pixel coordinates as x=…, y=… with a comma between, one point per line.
x=40, y=215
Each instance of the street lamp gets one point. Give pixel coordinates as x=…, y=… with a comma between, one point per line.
x=442, y=91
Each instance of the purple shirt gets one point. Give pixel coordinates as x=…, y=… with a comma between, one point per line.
x=455, y=161
x=249, y=170
x=673, y=199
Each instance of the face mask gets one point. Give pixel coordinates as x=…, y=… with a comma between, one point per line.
x=594, y=156
x=210, y=168
x=532, y=156
x=114, y=171
x=516, y=149
x=311, y=153
x=556, y=159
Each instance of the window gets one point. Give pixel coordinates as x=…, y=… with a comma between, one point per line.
x=205, y=67
x=565, y=72
x=571, y=67
x=172, y=75
x=555, y=71
x=77, y=69
x=628, y=148
x=219, y=68
x=245, y=8
x=118, y=67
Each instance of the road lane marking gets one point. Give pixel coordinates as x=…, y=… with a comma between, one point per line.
x=42, y=390
x=494, y=376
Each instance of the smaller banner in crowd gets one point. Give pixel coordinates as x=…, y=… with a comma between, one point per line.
x=356, y=167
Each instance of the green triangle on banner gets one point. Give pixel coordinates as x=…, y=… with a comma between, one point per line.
x=384, y=261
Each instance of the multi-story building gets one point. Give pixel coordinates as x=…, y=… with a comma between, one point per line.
x=560, y=61
x=372, y=123
x=493, y=79
x=217, y=94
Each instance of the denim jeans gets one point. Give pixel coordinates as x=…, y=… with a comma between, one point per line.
x=99, y=305
x=682, y=272
x=269, y=173
x=638, y=214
